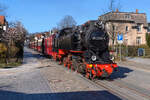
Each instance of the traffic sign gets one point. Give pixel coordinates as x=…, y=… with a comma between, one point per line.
x=120, y=38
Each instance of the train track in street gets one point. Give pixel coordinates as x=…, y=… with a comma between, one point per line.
x=130, y=92
x=131, y=87
x=108, y=88
x=118, y=89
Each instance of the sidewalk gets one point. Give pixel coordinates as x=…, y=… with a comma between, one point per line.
x=138, y=63
x=144, y=61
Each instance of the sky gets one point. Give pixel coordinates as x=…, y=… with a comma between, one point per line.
x=43, y=15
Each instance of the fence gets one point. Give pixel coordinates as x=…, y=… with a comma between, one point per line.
x=131, y=51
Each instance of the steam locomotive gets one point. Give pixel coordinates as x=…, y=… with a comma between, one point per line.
x=83, y=49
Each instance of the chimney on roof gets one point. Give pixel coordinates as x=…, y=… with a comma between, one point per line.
x=117, y=10
x=137, y=11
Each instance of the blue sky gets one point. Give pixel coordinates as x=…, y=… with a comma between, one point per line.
x=43, y=15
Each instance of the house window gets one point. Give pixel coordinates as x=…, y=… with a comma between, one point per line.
x=138, y=40
x=139, y=28
x=4, y=28
x=127, y=28
x=127, y=16
x=114, y=28
x=149, y=29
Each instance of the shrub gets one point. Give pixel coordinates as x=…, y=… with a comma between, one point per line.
x=3, y=50
x=148, y=39
x=13, y=51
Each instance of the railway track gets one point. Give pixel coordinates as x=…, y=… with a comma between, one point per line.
x=131, y=87
x=123, y=91
x=101, y=85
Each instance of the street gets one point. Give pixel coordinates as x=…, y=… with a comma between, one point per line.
x=41, y=78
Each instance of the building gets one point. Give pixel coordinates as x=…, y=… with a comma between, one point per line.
x=132, y=25
x=3, y=23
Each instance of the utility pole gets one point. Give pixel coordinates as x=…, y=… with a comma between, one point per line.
x=120, y=54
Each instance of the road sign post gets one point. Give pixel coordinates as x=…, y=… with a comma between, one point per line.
x=120, y=41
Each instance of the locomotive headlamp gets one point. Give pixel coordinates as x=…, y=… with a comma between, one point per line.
x=91, y=65
x=93, y=58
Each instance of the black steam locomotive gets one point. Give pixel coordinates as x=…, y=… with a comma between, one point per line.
x=85, y=49
x=82, y=48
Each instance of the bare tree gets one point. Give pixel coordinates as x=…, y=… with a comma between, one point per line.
x=67, y=21
x=14, y=37
x=15, y=32
x=55, y=30
x=113, y=28
x=111, y=6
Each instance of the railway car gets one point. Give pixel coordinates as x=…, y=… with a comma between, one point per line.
x=47, y=46
x=39, y=44
x=32, y=44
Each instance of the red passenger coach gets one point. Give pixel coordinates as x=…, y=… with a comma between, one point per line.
x=39, y=44
x=48, y=46
x=45, y=46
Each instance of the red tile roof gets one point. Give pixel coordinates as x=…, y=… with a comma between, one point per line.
x=2, y=20
x=38, y=35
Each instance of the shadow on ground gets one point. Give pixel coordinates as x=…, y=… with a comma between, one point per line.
x=121, y=73
x=30, y=55
x=83, y=95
